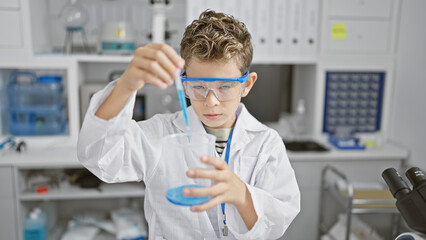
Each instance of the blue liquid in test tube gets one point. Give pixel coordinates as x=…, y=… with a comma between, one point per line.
x=182, y=101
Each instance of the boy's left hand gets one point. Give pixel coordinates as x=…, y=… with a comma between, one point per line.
x=228, y=187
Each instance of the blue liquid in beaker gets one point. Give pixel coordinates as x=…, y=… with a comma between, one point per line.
x=176, y=196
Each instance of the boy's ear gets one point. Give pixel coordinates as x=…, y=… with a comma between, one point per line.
x=249, y=83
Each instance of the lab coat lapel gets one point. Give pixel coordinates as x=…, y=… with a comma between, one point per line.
x=245, y=123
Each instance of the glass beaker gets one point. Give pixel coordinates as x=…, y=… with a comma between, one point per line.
x=180, y=155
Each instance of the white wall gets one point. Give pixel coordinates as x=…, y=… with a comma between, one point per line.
x=408, y=122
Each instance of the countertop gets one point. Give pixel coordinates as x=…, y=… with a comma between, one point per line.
x=388, y=151
x=66, y=156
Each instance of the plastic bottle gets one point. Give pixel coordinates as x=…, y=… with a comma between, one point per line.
x=35, y=226
x=299, y=120
x=42, y=215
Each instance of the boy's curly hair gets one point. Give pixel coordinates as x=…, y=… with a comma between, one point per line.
x=217, y=37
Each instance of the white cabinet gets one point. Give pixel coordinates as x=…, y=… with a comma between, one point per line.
x=355, y=27
x=8, y=228
x=64, y=201
x=362, y=36
x=11, y=28
x=360, y=8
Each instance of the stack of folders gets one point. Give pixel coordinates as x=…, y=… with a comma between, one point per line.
x=282, y=30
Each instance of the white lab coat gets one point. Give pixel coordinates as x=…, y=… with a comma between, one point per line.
x=121, y=149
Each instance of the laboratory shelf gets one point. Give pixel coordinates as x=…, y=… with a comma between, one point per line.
x=60, y=228
x=99, y=58
x=352, y=199
x=365, y=201
x=96, y=58
x=105, y=236
x=118, y=190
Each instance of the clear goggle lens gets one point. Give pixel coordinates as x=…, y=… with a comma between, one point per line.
x=223, y=90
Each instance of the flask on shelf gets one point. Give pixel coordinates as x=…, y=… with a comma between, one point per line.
x=35, y=226
x=36, y=106
x=74, y=18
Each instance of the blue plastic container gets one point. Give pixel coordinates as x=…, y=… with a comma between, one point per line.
x=36, y=107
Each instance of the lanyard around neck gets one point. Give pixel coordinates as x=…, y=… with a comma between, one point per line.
x=228, y=149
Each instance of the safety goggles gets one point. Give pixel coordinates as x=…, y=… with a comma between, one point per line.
x=225, y=89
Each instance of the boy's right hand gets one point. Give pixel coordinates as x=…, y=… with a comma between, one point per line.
x=153, y=63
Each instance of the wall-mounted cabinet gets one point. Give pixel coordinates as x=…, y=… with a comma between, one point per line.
x=359, y=27
x=360, y=36
x=360, y=8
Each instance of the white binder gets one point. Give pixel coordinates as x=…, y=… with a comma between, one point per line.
x=230, y=7
x=262, y=42
x=193, y=9
x=247, y=15
x=279, y=10
x=295, y=28
x=310, y=28
x=215, y=5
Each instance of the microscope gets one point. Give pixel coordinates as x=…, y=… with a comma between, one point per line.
x=411, y=203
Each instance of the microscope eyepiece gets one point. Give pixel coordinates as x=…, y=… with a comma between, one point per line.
x=410, y=203
x=416, y=176
x=397, y=186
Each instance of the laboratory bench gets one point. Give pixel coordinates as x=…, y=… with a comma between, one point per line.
x=16, y=201
x=360, y=166
x=67, y=156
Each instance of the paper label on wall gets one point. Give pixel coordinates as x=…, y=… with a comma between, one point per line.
x=338, y=31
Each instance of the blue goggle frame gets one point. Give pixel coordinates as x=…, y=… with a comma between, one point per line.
x=239, y=79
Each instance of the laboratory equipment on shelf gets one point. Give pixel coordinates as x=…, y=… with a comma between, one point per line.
x=117, y=38
x=354, y=199
x=36, y=104
x=74, y=18
x=411, y=203
x=178, y=156
x=353, y=105
x=159, y=10
x=299, y=120
x=13, y=143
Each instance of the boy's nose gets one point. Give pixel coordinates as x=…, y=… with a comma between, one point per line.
x=211, y=99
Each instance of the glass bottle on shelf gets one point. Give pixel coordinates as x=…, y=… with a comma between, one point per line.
x=299, y=121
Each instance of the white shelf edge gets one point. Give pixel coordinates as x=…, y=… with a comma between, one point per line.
x=95, y=58
x=75, y=193
x=35, y=197
x=387, y=152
